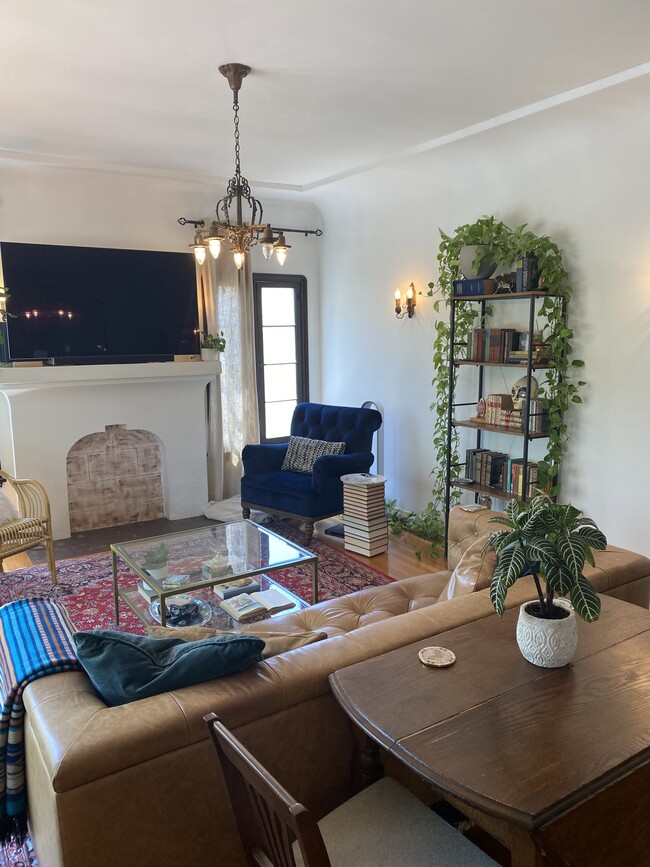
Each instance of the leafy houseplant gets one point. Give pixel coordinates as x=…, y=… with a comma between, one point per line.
x=213, y=341
x=155, y=561
x=552, y=542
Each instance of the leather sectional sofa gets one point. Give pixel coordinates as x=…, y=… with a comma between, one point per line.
x=139, y=784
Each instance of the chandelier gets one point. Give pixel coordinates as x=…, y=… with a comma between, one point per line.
x=238, y=214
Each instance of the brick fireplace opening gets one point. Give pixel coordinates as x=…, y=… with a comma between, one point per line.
x=114, y=477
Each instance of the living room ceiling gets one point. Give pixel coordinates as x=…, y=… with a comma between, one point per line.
x=335, y=86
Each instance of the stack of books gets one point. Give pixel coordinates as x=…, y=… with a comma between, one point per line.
x=364, y=514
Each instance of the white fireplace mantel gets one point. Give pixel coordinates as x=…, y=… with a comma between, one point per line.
x=44, y=411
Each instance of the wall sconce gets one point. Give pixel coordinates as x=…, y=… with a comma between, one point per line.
x=407, y=309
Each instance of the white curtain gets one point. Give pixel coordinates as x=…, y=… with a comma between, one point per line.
x=226, y=304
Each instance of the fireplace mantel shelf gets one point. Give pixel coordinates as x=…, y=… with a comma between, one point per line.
x=85, y=374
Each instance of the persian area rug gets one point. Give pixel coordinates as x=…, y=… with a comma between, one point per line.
x=85, y=588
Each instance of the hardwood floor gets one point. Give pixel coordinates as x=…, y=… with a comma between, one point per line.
x=400, y=561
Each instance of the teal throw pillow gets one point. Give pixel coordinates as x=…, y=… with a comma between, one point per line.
x=125, y=667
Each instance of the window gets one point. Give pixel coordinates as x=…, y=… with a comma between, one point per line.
x=280, y=315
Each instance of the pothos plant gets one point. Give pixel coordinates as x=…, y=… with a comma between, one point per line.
x=558, y=391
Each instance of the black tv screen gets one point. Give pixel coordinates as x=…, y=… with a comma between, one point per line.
x=90, y=304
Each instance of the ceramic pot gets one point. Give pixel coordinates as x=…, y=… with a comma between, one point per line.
x=466, y=257
x=548, y=643
x=208, y=354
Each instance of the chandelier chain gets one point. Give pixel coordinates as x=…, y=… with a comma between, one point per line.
x=235, y=106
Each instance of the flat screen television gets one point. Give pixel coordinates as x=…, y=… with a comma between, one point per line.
x=91, y=305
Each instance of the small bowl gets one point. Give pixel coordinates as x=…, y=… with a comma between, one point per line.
x=174, y=581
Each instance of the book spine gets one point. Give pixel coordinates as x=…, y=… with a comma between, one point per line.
x=474, y=286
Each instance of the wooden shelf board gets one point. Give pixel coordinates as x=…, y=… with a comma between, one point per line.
x=496, y=428
x=516, y=364
x=484, y=489
x=502, y=296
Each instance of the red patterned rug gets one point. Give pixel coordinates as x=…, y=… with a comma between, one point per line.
x=85, y=587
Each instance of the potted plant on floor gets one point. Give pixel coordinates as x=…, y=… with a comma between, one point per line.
x=211, y=344
x=551, y=542
x=156, y=563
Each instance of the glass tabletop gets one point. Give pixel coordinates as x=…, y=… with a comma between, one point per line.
x=202, y=557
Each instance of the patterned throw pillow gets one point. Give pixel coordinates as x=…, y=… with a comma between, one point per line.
x=302, y=453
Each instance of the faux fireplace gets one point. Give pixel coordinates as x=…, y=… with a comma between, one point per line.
x=46, y=411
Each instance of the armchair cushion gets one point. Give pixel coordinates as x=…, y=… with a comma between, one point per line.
x=303, y=451
x=8, y=512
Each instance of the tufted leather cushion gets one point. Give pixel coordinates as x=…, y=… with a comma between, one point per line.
x=474, y=571
x=274, y=642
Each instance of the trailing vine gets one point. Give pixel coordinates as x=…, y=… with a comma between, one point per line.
x=558, y=391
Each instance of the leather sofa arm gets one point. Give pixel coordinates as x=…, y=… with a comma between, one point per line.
x=328, y=469
x=263, y=458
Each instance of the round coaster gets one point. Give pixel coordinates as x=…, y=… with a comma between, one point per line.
x=438, y=657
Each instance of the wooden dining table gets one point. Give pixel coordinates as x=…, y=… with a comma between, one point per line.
x=554, y=763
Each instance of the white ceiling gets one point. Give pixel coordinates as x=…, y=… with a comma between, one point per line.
x=336, y=85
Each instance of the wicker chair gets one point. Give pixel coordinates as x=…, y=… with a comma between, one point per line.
x=33, y=528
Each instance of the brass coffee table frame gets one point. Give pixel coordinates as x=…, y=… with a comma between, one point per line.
x=126, y=551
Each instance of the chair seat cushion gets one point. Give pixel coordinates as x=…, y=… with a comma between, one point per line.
x=288, y=492
x=303, y=451
x=8, y=512
x=125, y=667
x=385, y=825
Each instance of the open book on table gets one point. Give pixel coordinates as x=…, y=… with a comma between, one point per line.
x=247, y=605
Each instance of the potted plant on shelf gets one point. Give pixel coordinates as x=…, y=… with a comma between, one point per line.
x=211, y=344
x=156, y=563
x=551, y=542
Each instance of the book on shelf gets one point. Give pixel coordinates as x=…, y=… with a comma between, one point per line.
x=234, y=588
x=474, y=286
x=147, y=592
x=247, y=605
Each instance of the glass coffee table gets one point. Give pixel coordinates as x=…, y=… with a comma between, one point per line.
x=197, y=561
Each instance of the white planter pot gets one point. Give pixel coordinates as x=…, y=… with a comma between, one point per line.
x=209, y=354
x=159, y=574
x=466, y=258
x=548, y=643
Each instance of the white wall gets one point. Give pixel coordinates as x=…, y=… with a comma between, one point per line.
x=579, y=173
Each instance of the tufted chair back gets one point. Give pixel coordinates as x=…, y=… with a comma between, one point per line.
x=351, y=425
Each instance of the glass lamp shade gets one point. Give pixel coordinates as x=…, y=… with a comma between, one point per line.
x=214, y=245
x=267, y=250
x=199, y=250
x=281, y=247
x=239, y=258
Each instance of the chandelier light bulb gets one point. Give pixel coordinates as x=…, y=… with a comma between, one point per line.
x=239, y=259
x=214, y=245
x=281, y=248
x=267, y=250
x=199, y=253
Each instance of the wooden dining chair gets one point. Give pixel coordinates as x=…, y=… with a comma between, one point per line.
x=383, y=826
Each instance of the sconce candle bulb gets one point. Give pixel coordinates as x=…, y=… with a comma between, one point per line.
x=407, y=309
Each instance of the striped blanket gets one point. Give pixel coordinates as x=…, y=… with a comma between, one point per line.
x=35, y=640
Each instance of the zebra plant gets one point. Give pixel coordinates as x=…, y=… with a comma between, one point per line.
x=551, y=542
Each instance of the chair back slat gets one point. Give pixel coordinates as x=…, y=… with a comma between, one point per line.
x=268, y=819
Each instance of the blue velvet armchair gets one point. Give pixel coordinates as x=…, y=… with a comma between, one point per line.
x=313, y=496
